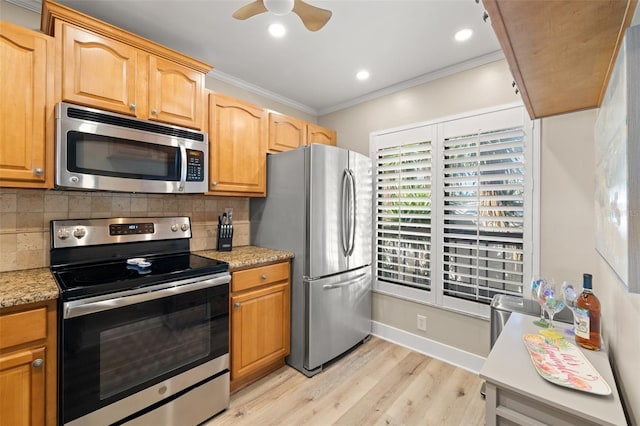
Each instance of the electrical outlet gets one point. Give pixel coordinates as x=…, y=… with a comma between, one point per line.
x=229, y=213
x=422, y=322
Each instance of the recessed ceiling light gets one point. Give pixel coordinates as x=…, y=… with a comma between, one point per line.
x=277, y=30
x=464, y=35
x=362, y=75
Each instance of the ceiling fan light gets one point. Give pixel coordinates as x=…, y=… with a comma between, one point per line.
x=279, y=7
x=277, y=30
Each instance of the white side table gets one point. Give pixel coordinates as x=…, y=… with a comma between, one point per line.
x=517, y=394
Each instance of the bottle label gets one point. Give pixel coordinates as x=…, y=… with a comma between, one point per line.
x=581, y=322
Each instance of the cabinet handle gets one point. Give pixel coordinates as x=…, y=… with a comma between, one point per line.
x=264, y=276
x=214, y=183
x=132, y=107
x=154, y=111
x=38, y=171
x=237, y=304
x=37, y=363
x=485, y=16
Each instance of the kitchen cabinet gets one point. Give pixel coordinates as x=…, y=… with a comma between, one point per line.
x=26, y=112
x=108, y=68
x=319, y=134
x=286, y=132
x=28, y=365
x=561, y=53
x=260, y=321
x=237, y=147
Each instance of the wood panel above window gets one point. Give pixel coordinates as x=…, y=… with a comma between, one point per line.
x=560, y=52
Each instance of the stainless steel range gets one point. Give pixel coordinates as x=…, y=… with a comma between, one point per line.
x=144, y=324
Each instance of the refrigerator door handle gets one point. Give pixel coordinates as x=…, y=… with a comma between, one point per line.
x=352, y=211
x=345, y=220
x=352, y=281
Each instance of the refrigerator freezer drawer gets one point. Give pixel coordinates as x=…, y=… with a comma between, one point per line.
x=339, y=315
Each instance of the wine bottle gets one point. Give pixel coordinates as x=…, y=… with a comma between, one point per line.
x=587, y=317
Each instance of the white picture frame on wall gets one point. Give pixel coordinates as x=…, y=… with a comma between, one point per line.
x=617, y=160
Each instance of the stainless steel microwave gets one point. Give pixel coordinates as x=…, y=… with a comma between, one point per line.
x=100, y=150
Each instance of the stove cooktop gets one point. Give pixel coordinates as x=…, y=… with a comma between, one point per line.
x=78, y=282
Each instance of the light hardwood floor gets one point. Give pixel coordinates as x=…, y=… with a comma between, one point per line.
x=378, y=383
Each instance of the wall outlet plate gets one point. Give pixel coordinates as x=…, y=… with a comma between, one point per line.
x=422, y=322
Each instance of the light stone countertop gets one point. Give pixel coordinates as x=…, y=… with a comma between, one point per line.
x=247, y=256
x=27, y=286
x=36, y=285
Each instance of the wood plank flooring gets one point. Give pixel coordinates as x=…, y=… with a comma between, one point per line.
x=378, y=383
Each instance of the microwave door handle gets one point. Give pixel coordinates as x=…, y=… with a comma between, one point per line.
x=183, y=166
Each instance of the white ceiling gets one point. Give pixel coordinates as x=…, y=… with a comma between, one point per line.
x=402, y=43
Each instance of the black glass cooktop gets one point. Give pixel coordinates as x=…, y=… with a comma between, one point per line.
x=109, y=277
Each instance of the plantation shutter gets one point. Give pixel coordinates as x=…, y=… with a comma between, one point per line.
x=403, y=216
x=483, y=213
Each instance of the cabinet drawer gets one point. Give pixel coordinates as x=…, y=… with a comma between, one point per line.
x=255, y=277
x=23, y=327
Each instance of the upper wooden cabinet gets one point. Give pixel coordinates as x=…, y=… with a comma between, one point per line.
x=108, y=68
x=237, y=147
x=26, y=110
x=286, y=132
x=318, y=134
x=561, y=53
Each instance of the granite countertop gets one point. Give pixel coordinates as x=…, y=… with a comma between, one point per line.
x=36, y=285
x=27, y=286
x=247, y=256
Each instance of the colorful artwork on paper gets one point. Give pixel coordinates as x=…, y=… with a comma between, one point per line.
x=562, y=363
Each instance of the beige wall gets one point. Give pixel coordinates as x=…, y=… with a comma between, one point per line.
x=481, y=87
x=568, y=242
x=567, y=218
x=19, y=16
x=478, y=88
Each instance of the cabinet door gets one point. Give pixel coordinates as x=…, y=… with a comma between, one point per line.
x=318, y=134
x=259, y=328
x=285, y=133
x=22, y=386
x=97, y=71
x=175, y=93
x=237, y=147
x=26, y=90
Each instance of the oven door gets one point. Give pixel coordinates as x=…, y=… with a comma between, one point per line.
x=114, y=351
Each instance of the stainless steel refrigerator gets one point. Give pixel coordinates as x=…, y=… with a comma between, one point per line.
x=318, y=206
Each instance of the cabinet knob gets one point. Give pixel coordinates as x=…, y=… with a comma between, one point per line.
x=485, y=16
x=37, y=363
x=38, y=171
x=154, y=111
x=214, y=183
x=264, y=276
x=132, y=107
x=237, y=304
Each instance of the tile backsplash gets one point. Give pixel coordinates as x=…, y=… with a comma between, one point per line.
x=25, y=216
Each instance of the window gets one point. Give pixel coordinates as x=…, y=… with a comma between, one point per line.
x=453, y=209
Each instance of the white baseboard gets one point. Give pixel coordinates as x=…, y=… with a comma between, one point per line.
x=449, y=354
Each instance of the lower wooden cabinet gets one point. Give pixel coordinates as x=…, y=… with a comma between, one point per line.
x=28, y=365
x=260, y=322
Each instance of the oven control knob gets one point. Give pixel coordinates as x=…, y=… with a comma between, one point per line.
x=79, y=232
x=184, y=227
x=174, y=227
x=63, y=233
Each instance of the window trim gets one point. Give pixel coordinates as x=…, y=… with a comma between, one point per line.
x=531, y=238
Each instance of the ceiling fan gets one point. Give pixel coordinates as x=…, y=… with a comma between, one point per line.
x=312, y=17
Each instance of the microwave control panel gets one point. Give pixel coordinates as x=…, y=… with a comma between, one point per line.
x=195, y=166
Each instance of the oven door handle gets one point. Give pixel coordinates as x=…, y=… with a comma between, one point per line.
x=78, y=308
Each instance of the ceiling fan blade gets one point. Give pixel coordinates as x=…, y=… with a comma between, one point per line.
x=312, y=17
x=252, y=9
